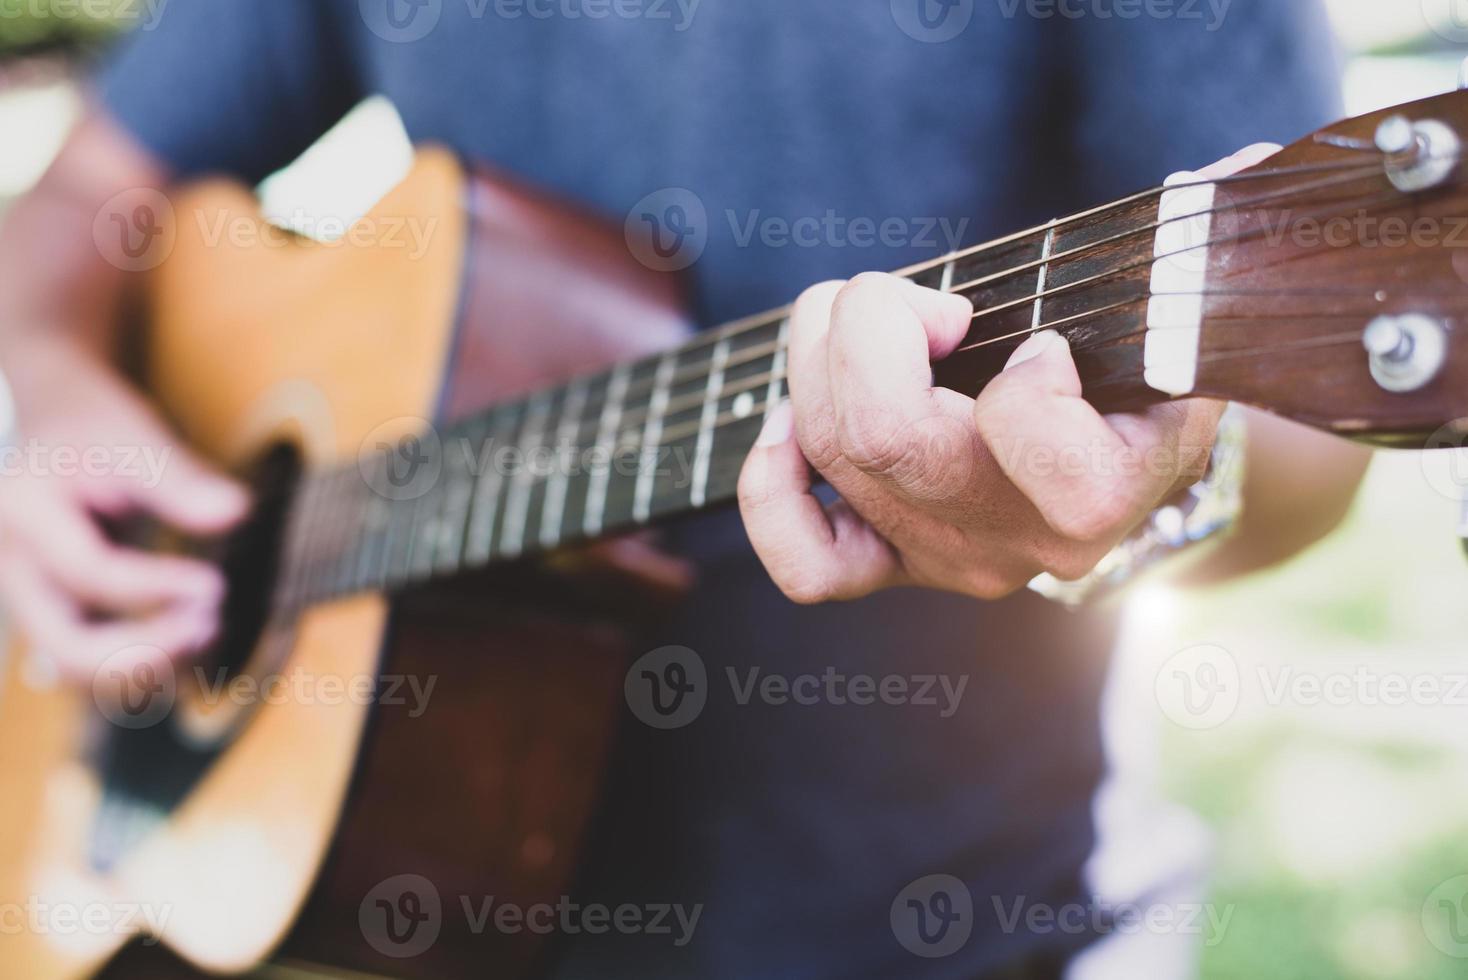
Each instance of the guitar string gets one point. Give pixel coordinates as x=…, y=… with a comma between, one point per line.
x=1362, y=169
x=698, y=371
x=747, y=384
x=319, y=584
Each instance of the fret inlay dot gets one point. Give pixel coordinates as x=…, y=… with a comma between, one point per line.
x=743, y=406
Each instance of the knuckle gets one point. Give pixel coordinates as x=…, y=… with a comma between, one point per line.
x=1071, y=564
x=816, y=431
x=991, y=585
x=1100, y=516
x=800, y=579
x=877, y=443
x=805, y=588
x=755, y=491
x=861, y=291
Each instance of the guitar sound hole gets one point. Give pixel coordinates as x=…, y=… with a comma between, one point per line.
x=146, y=771
x=251, y=562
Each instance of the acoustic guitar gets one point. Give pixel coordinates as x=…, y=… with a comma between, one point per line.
x=434, y=435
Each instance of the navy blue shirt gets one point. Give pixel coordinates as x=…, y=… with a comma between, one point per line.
x=796, y=826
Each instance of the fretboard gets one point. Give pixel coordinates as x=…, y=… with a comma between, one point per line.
x=668, y=435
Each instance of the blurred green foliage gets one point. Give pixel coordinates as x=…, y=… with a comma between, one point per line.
x=28, y=26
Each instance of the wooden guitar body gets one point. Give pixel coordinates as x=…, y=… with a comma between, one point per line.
x=484, y=786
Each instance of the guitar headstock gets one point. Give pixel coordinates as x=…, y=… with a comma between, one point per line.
x=1334, y=289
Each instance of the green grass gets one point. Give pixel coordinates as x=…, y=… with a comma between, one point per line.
x=1334, y=826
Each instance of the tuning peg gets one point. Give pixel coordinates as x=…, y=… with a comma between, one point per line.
x=1463, y=75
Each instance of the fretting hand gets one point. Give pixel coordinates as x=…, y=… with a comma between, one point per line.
x=975, y=496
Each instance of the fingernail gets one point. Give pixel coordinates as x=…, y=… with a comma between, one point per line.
x=779, y=424
x=1040, y=343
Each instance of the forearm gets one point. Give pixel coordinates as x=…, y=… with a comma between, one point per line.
x=57, y=285
x=1298, y=486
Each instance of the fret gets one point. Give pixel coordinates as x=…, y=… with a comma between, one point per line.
x=1044, y=272
x=672, y=432
x=522, y=481
x=408, y=506
x=774, y=392
x=464, y=453
x=698, y=495
x=291, y=587
x=1067, y=302
x=583, y=464
x=652, y=436
x=355, y=506
x=567, y=444
x=334, y=536
x=427, y=520
x=372, y=550
x=750, y=372
x=488, y=488
x=606, y=441
x=401, y=523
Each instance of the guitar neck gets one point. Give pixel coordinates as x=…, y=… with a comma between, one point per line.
x=1197, y=289
x=664, y=436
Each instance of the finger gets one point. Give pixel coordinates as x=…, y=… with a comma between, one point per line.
x=810, y=389
x=187, y=494
x=885, y=333
x=1088, y=481
x=1181, y=434
x=812, y=554
x=58, y=630
x=70, y=549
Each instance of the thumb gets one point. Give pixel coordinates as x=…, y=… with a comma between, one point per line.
x=1044, y=362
